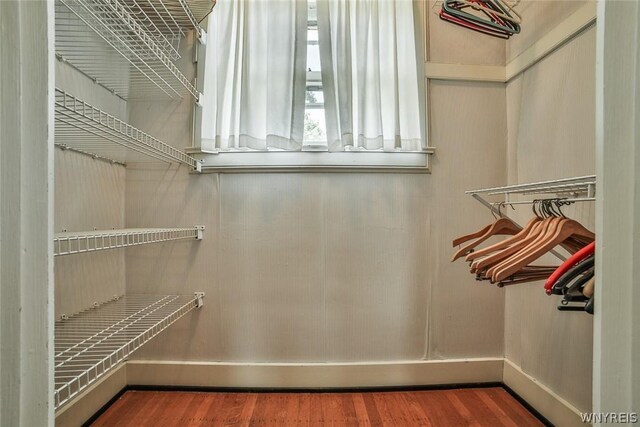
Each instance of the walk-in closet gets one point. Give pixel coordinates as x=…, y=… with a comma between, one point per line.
x=319, y=212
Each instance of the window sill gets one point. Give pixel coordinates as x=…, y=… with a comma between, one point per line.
x=311, y=161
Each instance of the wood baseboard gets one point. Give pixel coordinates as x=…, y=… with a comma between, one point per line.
x=319, y=375
x=80, y=409
x=546, y=402
x=314, y=375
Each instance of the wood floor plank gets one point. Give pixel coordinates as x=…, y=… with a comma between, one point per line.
x=372, y=410
x=419, y=416
x=518, y=413
x=439, y=409
x=316, y=415
x=247, y=409
x=462, y=407
x=179, y=409
x=485, y=415
x=360, y=409
x=200, y=412
x=119, y=409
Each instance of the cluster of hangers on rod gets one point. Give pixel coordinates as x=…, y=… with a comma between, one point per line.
x=496, y=18
x=509, y=261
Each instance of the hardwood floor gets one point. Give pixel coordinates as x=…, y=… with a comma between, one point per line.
x=459, y=407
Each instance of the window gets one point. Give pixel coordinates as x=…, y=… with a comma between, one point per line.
x=315, y=127
x=318, y=84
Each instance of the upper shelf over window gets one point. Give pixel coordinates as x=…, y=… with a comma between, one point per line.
x=122, y=48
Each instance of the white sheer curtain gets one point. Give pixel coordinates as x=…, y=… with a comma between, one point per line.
x=370, y=74
x=254, y=86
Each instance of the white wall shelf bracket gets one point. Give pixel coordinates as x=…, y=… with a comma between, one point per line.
x=199, y=299
x=200, y=232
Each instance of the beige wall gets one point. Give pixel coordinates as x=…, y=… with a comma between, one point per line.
x=324, y=266
x=539, y=17
x=552, y=135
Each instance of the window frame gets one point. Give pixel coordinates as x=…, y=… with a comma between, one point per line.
x=311, y=157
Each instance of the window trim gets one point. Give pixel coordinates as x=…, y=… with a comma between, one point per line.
x=312, y=160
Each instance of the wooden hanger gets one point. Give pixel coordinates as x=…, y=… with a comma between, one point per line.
x=565, y=229
x=587, y=291
x=504, y=243
x=501, y=226
x=491, y=262
x=509, y=254
x=460, y=240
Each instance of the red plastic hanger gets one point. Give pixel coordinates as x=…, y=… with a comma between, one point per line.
x=565, y=266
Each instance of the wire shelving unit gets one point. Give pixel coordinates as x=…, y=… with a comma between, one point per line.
x=91, y=343
x=171, y=18
x=576, y=189
x=120, y=48
x=89, y=130
x=68, y=243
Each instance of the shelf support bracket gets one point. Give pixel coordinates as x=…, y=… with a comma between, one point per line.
x=199, y=299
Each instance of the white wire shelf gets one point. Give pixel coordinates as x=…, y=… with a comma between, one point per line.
x=573, y=189
x=171, y=18
x=91, y=343
x=89, y=130
x=123, y=52
x=68, y=243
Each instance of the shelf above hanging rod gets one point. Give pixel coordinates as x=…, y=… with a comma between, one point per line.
x=579, y=189
x=69, y=243
x=108, y=43
x=87, y=129
x=91, y=343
